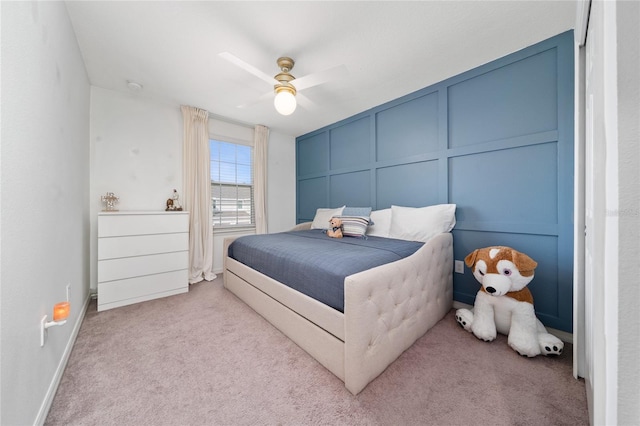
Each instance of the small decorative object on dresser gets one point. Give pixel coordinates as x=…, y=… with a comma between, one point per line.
x=173, y=203
x=141, y=256
x=110, y=199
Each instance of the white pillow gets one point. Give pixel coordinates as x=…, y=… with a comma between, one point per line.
x=423, y=223
x=321, y=220
x=381, y=223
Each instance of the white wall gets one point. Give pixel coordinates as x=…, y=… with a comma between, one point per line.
x=628, y=53
x=136, y=152
x=45, y=190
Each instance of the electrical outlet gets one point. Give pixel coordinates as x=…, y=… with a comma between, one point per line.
x=459, y=266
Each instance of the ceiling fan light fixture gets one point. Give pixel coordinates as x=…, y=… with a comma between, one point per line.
x=285, y=100
x=284, y=84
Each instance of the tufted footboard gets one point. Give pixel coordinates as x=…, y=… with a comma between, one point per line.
x=389, y=307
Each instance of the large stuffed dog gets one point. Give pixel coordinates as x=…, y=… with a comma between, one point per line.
x=505, y=304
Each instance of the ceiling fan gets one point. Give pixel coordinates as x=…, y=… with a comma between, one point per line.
x=285, y=86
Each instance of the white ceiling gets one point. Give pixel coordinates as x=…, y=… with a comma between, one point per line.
x=390, y=49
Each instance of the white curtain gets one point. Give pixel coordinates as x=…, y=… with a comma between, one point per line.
x=260, y=145
x=197, y=193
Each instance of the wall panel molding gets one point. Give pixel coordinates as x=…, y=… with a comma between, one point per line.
x=496, y=140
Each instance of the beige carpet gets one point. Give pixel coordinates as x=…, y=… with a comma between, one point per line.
x=205, y=358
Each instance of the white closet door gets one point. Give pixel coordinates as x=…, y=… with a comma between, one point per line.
x=601, y=214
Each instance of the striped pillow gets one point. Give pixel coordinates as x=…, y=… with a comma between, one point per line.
x=354, y=226
x=356, y=211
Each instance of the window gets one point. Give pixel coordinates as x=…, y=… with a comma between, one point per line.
x=231, y=184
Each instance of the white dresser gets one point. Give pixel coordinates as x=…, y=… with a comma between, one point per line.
x=142, y=255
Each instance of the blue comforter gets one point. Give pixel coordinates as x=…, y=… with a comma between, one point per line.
x=314, y=264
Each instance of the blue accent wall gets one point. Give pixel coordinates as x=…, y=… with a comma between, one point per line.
x=496, y=140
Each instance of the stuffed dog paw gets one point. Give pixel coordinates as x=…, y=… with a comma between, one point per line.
x=335, y=228
x=504, y=304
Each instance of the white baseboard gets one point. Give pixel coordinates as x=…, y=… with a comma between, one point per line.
x=55, y=381
x=562, y=335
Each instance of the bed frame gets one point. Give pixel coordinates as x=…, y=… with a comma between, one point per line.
x=386, y=309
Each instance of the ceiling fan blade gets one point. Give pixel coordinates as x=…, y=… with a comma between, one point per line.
x=305, y=102
x=262, y=97
x=320, y=77
x=248, y=67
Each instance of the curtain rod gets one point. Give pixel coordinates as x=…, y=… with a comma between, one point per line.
x=231, y=121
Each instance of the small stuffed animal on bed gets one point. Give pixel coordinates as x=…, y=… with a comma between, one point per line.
x=335, y=228
x=505, y=304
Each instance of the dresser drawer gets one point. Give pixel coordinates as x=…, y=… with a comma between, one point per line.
x=112, y=225
x=128, y=267
x=117, y=293
x=139, y=245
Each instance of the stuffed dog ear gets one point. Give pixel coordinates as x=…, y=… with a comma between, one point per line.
x=524, y=263
x=471, y=258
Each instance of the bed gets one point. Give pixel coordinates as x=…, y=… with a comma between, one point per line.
x=386, y=308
